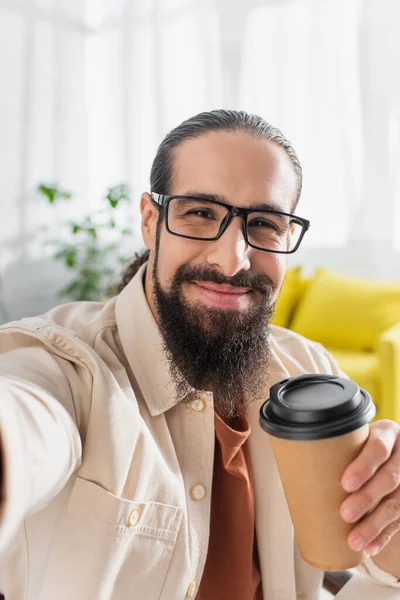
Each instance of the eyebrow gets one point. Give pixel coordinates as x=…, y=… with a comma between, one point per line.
x=219, y=198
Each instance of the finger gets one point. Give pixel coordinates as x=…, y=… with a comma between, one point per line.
x=376, y=451
x=373, y=525
x=383, y=538
x=385, y=481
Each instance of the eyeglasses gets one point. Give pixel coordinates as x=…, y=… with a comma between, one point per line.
x=198, y=218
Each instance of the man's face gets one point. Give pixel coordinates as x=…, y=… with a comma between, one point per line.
x=215, y=292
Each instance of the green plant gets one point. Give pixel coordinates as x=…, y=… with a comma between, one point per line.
x=93, y=248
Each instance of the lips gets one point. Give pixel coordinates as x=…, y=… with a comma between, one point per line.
x=222, y=296
x=222, y=288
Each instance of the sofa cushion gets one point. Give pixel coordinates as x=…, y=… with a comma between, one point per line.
x=288, y=298
x=346, y=312
x=362, y=367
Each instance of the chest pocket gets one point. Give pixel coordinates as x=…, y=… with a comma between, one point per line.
x=108, y=548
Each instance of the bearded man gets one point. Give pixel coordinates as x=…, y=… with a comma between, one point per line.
x=133, y=462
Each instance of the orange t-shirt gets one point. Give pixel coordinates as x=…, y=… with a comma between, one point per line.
x=232, y=568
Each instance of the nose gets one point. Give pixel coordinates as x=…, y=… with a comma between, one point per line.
x=230, y=253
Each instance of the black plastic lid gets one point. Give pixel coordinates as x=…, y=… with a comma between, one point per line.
x=315, y=407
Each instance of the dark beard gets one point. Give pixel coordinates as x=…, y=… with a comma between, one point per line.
x=223, y=351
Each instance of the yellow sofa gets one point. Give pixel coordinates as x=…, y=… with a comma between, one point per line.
x=357, y=320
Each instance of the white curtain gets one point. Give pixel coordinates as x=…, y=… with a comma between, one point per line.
x=89, y=88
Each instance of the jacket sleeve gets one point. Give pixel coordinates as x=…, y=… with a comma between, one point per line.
x=370, y=586
x=39, y=440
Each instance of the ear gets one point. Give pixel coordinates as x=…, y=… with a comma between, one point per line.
x=149, y=220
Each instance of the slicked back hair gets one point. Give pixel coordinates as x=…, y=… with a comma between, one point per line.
x=162, y=170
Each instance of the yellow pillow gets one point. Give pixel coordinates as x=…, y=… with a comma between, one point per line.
x=347, y=312
x=288, y=298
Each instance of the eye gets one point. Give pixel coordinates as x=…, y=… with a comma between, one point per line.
x=259, y=222
x=201, y=212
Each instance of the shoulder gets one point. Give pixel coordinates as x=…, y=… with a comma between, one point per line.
x=65, y=325
x=301, y=355
x=57, y=352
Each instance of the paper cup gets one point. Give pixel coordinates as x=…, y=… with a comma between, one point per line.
x=318, y=425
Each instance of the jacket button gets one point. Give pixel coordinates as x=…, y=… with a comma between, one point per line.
x=197, y=405
x=134, y=517
x=198, y=492
x=192, y=589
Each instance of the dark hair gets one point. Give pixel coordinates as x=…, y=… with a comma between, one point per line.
x=161, y=176
x=162, y=170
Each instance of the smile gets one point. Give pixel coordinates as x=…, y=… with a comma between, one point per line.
x=221, y=294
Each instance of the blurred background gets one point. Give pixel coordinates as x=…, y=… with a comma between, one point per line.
x=88, y=88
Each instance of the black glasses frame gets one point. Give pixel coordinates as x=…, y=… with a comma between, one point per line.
x=233, y=211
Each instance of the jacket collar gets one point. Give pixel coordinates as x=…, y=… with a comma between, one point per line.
x=143, y=346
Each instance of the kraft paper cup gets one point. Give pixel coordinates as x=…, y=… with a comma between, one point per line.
x=318, y=425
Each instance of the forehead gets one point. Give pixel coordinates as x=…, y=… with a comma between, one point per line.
x=236, y=166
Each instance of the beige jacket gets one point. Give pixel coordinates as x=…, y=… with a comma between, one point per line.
x=105, y=473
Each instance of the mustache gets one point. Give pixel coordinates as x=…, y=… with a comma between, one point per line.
x=258, y=282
